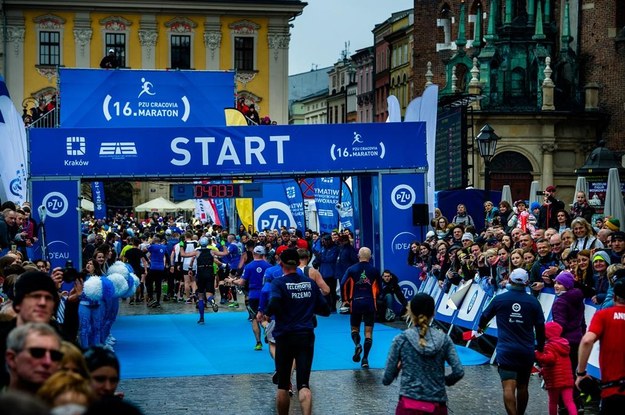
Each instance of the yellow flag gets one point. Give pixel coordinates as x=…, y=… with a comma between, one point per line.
x=234, y=117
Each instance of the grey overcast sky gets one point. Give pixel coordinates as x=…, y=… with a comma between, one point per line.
x=319, y=34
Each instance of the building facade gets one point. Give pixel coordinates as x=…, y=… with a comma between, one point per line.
x=521, y=64
x=251, y=37
x=363, y=66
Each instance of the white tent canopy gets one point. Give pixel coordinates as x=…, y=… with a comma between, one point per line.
x=157, y=205
x=86, y=204
x=188, y=204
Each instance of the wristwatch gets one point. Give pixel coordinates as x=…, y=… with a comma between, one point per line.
x=581, y=373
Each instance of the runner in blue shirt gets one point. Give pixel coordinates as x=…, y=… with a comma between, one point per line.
x=253, y=275
x=154, y=280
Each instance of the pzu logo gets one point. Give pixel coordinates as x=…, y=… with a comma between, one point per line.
x=273, y=215
x=55, y=203
x=403, y=196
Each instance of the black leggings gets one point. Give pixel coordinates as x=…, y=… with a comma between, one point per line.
x=331, y=298
x=301, y=347
x=154, y=282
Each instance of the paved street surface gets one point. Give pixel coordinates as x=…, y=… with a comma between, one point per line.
x=344, y=392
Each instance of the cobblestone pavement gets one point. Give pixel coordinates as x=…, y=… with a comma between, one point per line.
x=343, y=392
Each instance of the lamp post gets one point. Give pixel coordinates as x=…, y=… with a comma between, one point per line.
x=487, y=144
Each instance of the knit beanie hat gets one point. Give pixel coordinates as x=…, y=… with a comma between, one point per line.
x=566, y=279
x=613, y=224
x=601, y=255
x=535, y=205
x=33, y=281
x=467, y=236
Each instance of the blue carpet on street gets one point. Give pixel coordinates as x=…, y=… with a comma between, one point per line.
x=172, y=345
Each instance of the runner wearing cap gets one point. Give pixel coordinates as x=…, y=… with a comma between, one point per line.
x=253, y=274
x=518, y=316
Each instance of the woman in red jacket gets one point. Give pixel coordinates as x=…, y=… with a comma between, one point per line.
x=556, y=369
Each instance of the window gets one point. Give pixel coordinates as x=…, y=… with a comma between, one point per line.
x=181, y=52
x=117, y=42
x=49, y=48
x=244, y=53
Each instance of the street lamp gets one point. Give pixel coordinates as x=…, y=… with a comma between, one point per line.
x=487, y=144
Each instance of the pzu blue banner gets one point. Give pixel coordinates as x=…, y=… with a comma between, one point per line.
x=148, y=98
x=398, y=192
x=99, y=201
x=272, y=211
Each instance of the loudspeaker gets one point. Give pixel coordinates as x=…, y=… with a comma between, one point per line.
x=420, y=216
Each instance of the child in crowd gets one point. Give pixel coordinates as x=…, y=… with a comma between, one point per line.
x=556, y=369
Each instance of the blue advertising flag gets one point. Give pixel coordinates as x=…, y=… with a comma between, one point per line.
x=346, y=210
x=296, y=202
x=273, y=211
x=147, y=98
x=99, y=202
x=327, y=196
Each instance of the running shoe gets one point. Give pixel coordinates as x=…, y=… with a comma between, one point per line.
x=151, y=303
x=365, y=363
x=357, y=351
x=189, y=301
x=131, y=302
x=200, y=321
x=156, y=305
x=223, y=301
x=215, y=306
x=233, y=305
x=259, y=346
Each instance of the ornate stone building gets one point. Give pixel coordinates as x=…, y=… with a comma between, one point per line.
x=251, y=37
x=524, y=67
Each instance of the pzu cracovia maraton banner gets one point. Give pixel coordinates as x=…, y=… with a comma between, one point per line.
x=147, y=98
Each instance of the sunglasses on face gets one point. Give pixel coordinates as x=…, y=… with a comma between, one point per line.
x=40, y=352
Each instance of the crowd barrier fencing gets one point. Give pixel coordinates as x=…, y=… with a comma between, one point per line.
x=467, y=314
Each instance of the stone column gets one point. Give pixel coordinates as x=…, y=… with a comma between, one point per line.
x=548, y=87
x=212, y=42
x=14, y=71
x=547, y=176
x=82, y=39
x=278, y=38
x=148, y=36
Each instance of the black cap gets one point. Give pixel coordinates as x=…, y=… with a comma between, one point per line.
x=290, y=257
x=33, y=281
x=618, y=235
x=618, y=274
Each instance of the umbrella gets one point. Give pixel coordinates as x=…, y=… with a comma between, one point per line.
x=506, y=194
x=534, y=189
x=188, y=204
x=614, y=206
x=86, y=204
x=580, y=186
x=157, y=205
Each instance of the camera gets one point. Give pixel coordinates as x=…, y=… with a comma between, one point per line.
x=70, y=274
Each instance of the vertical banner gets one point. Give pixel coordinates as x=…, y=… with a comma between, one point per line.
x=99, y=202
x=220, y=207
x=327, y=196
x=296, y=202
x=398, y=193
x=308, y=187
x=346, y=208
x=272, y=211
x=55, y=207
x=13, y=169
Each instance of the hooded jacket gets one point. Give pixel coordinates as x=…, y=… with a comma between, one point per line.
x=557, y=370
x=568, y=312
x=423, y=368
